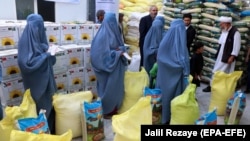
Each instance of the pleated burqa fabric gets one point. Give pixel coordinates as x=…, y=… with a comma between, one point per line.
x=173, y=65
x=152, y=42
x=36, y=65
x=109, y=64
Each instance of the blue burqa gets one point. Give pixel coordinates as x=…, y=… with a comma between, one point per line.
x=152, y=42
x=109, y=64
x=173, y=65
x=36, y=65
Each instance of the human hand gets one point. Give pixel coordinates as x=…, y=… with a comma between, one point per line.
x=230, y=59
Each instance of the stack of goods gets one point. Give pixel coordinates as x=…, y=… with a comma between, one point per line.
x=23, y=123
x=133, y=10
x=73, y=71
x=11, y=88
x=133, y=35
x=205, y=20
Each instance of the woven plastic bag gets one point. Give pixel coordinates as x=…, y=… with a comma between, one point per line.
x=184, y=108
x=92, y=121
x=26, y=109
x=209, y=118
x=235, y=108
x=37, y=125
x=68, y=111
x=134, y=83
x=134, y=65
x=28, y=136
x=222, y=88
x=127, y=125
x=156, y=103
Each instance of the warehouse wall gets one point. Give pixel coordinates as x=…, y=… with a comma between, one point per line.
x=63, y=11
x=71, y=12
x=8, y=9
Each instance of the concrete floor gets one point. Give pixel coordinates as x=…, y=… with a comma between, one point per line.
x=203, y=100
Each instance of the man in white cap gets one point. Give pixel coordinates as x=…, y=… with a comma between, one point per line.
x=230, y=43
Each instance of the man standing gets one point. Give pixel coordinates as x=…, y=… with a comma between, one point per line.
x=247, y=60
x=121, y=15
x=144, y=25
x=100, y=16
x=230, y=43
x=190, y=30
x=1, y=110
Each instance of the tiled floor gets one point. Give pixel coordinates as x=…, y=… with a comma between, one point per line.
x=203, y=100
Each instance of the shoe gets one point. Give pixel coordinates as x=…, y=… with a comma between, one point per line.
x=207, y=89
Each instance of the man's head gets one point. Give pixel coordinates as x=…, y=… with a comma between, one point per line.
x=187, y=19
x=153, y=11
x=225, y=22
x=121, y=15
x=100, y=15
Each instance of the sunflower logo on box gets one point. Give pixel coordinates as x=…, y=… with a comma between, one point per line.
x=68, y=37
x=12, y=70
x=52, y=39
x=85, y=36
x=74, y=61
x=92, y=78
x=15, y=94
x=7, y=42
x=60, y=86
x=76, y=81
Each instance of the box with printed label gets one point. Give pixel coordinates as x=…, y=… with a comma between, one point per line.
x=89, y=76
x=11, y=92
x=96, y=28
x=68, y=34
x=93, y=89
x=75, y=79
x=8, y=63
x=8, y=36
x=53, y=33
x=86, y=55
x=85, y=33
x=61, y=82
x=20, y=30
x=61, y=64
x=74, y=55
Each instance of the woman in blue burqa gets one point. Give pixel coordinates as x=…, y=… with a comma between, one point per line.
x=109, y=64
x=173, y=66
x=36, y=66
x=152, y=42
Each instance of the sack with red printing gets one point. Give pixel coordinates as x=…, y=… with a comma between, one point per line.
x=37, y=125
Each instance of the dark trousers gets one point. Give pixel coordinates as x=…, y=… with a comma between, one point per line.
x=248, y=76
x=1, y=110
x=141, y=53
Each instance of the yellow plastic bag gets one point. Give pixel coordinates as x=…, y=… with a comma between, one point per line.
x=222, y=88
x=184, y=108
x=28, y=136
x=26, y=109
x=68, y=111
x=134, y=82
x=127, y=125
